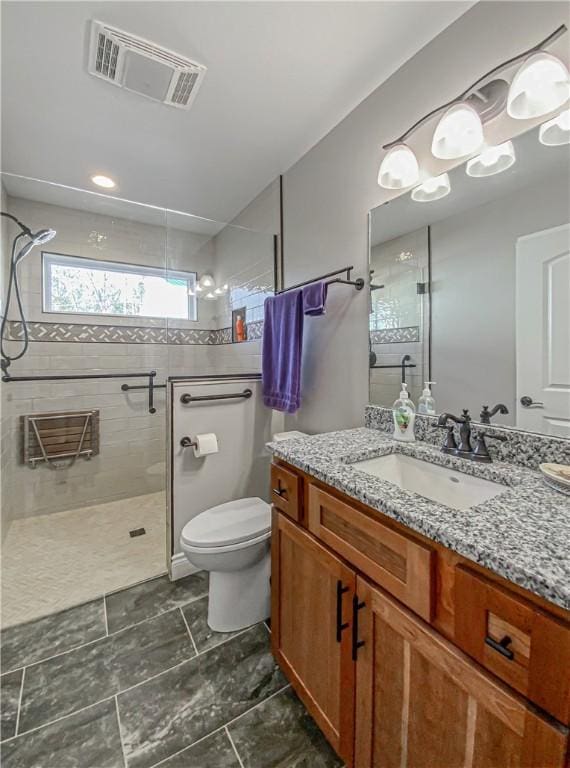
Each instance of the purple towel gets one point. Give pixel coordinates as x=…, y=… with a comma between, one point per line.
x=282, y=349
x=315, y=298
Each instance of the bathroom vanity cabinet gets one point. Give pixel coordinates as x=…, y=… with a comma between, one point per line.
x=405, y=653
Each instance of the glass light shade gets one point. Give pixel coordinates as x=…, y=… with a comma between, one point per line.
x=540, y=86
x=557, y=131
x=399, y=168
x=198, y=288
x=492, y=160
x=210, y=296
x=207, y=281
x=458, y=133
x=432, y=189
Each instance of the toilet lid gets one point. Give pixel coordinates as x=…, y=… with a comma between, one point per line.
x=229, y=523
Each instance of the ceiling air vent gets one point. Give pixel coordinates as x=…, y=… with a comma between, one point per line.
x=143, y=67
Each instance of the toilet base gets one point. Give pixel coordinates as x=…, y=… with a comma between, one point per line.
x=238, y=599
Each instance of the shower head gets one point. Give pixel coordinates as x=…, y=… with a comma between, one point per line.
x=39, y=238
x=43, y=236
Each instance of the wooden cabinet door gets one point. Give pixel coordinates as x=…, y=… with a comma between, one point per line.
x=422, y=703
x=312, y=603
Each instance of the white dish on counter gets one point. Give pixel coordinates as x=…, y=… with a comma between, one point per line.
x=559, y=473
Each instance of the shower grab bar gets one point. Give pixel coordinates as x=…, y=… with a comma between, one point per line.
x=7, y=379
x=186, y=398
x=403, y=365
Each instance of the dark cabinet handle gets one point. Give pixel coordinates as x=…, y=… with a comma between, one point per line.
x=356, y=643
x=501, y=646
x=340, y=590
x=281, y=492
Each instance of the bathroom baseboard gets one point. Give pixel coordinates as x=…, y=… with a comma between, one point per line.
x=180, y=567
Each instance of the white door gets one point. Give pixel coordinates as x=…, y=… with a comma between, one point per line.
x=543, y=331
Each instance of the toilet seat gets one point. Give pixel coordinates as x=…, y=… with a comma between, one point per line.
x=229, y=526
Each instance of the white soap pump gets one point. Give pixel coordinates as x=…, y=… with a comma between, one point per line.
x=426, y=403
x=404, y=417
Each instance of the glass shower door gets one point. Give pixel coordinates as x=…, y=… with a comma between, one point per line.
x=83, y=448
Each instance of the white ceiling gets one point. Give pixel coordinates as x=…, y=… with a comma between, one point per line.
x=280, y=76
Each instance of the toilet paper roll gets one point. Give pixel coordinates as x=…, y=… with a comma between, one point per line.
x=205, y=444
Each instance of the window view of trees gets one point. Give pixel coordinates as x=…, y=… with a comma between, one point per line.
x=82, y=286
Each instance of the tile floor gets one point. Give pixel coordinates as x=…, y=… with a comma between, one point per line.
x=137, y=679
x=45, y=557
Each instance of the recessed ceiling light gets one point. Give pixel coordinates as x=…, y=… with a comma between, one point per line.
x=103, y=181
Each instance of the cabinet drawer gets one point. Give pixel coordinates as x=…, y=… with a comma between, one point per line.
x=286, y=492
x=403, y=566
x=523, y=645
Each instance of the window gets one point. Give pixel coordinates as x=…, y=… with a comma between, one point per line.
x=90, y=287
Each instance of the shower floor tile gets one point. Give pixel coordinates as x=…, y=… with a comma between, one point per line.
x=158, y=693
x=55, y=561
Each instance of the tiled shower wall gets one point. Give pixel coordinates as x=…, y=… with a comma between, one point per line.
x=399, y=317
x=132, y=455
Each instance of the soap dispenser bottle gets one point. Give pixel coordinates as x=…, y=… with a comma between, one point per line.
x=404, y=417
x=426, y=403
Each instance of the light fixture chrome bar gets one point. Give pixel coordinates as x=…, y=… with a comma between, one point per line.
x=562, y=29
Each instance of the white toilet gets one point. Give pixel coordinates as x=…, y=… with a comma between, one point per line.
x=232, y=542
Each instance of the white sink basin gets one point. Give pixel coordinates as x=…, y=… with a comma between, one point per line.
x=445, y=486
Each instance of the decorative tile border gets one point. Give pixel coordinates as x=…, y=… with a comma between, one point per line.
x=395, y=335
x=526, y=449
x=125, y=334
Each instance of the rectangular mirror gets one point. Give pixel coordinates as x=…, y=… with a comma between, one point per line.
x=472, y=291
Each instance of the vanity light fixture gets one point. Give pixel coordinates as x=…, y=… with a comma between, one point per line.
x=458, y=133
x=432, y=189
x=220, y=291
x=540, y=71
x=210, y=296
x=492, y=160
x=541, y=85
x=556, y=132
x=103, y=181
x=399, y=168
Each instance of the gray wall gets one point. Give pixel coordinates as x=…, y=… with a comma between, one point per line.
x=329, y=192
x=473, y=295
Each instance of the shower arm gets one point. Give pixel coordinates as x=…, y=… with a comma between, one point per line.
x=26, y=230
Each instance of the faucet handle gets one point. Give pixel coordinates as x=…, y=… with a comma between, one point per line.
x=481, y=452
x=449, y=444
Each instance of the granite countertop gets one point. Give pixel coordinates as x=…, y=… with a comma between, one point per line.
x=522, y=534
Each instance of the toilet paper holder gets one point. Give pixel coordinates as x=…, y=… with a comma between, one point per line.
x=187, y=442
